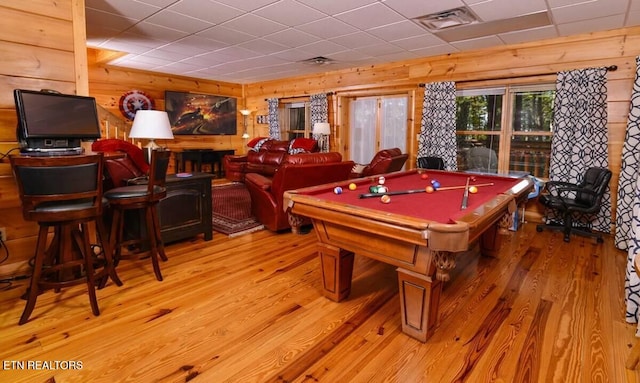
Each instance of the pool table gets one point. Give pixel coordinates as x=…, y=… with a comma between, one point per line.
x=420, y=232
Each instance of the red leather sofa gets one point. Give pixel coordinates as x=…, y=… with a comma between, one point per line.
x=295, y=171
x=265, y=156
x=385, y=161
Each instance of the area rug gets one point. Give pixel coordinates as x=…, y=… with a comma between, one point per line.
x=232, y=210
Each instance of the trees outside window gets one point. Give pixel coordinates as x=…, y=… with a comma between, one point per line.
x=505, y=129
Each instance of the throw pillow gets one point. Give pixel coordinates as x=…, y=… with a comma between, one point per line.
x=257, y=142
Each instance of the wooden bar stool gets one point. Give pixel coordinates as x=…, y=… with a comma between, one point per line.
x=146, y=197
x=64, y=193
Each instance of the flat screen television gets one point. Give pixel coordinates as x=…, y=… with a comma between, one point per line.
x=51, y=122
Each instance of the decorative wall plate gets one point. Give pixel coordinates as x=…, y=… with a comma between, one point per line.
x=133, y=101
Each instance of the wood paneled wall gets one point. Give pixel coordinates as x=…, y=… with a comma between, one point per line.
x=42, y=44
x=39, y=39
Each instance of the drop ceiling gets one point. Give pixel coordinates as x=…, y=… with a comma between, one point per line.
x=247, y=41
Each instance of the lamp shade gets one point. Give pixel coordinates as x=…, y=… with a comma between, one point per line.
x=151, y=124
x=321, y=128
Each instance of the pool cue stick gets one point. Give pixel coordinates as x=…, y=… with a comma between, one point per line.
x=465, y=196
x=463, y=186
x=398, y=192
x=413, y=191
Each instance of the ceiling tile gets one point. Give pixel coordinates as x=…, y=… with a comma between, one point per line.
x=504, y=9
x=124, y=8
x=327, y=28
x=526, y=35
x=397, y=31
x=211, y=12
x=334, y=7
x=356, y=40
x=370, y=16
x=585, y=26
x=178, y=22
x=290, y=12
x=291, y=38
x=588, y=10
x=254, y=25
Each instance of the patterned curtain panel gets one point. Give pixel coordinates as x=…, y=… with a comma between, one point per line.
x=438, y=130
x=631, y=280
x=629, y=171
x=319, y=113
x=580, y=138
x=628, y=211
x=274, y=126
x=319, y=108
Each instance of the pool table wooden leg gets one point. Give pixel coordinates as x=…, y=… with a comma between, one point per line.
x=337, y=269
x=419, y=303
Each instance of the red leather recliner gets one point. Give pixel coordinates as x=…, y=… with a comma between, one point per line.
x=298, y=171
x=385, y=161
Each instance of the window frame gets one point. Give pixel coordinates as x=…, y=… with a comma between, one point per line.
x=505, y=135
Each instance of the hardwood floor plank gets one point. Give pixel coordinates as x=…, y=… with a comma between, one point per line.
x=250, y=309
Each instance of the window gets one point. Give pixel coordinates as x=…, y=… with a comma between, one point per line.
x=296, y=120
x=505, y=129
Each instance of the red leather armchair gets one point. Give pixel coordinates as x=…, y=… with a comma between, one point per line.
x=385, y=161
x=302, y=170
x=119, y=170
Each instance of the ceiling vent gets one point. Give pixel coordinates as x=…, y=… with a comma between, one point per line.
x=447, y=19
x=320, y=60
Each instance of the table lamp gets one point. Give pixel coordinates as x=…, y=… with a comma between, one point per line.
x=322, y=130
x=152, y=125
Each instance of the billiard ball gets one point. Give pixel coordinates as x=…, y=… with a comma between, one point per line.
x=429, y=189
x=381, y=180
x=337, y=190
x=473, y=189
x=352, y=186
x=373, y=189
x=382, y=189
x=472, y=178
x=435, y=184
x=385, y=199
x=424, y=176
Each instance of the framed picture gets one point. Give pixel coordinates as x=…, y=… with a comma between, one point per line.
x=192, y=113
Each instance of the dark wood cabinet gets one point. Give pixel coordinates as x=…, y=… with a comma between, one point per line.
x=184, y=213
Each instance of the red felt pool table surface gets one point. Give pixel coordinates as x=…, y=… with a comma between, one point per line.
x=420, y=233
x=443, y=206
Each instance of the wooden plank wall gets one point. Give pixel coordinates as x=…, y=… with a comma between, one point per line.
x=37, y=41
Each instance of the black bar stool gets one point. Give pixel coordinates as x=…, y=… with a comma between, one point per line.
x=146, y=197
x=64, y=193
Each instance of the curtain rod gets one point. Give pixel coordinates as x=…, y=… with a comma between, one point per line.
x=610, y=68
x=304, y=95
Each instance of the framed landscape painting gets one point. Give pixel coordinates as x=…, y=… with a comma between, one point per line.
x=192, y=113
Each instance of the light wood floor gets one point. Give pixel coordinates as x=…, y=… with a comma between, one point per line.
x=249, y=309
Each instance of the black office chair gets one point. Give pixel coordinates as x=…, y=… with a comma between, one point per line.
x=570, y=202
x=431, y=163
x=146, y=197
x=64, y=193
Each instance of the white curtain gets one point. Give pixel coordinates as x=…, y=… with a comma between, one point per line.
x=580, y=139
x=438, y=130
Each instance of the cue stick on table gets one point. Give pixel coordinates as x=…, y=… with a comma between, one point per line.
x=413, y=191
x=465, y=196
